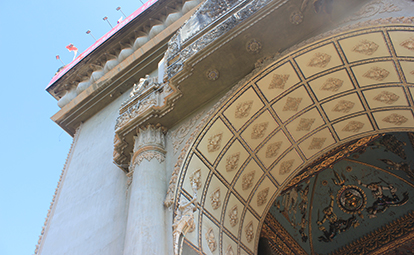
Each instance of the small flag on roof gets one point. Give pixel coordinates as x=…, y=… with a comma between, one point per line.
x=120, y=20
x=70, y=47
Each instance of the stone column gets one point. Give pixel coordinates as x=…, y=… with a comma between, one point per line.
x=146, y=229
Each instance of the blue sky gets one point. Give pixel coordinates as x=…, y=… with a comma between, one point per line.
x=34, y=148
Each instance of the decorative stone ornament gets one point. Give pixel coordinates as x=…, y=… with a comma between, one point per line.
x=215, y=199
x=248, y=230
x=211, y=240
x=195, y=179
x=212, y=74
x=296, y=18
x=233, y=216
x=253, y=46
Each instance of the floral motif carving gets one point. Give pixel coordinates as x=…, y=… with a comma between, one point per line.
x=278, y=81
x=374, y=7
x=212, y=74
x=214, y=142
x=247, y=181
x=211, y=240
x=292, y=104
x=343, y=106
x=286, y=166
x=332, y=84
x=262, y=196
x=233, y=216
x=386, y=97
x=320, y=60
x=249, y=231
x=243, y=109
x=148, y=155
x=272, y=149
x=259, y=130
x=305, y=124
x=232, y=162
x=215, y=199
x=229, y=250
x=317, y=143
x=376, y=73
x=195, y=179
x=253, y=46
x=365, y=47
x=178, y=135
x=395, y=119
x=353, y=126
x=408, y=44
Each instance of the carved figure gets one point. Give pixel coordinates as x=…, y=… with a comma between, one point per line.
x=184, y=219
x=336, y=225
x=399, y=166
x=138, y=88
x=383, y=202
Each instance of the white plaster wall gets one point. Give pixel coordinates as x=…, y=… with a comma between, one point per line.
x=91, y=211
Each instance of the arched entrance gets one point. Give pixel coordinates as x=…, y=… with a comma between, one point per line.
x=352, y=85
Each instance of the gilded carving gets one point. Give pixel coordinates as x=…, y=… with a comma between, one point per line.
x=259, y=130
x=353, y=126
x=272, y=149
x=262, y=196
x=305, y=124
x=376, y=73
x=214, y=142
x=247, y=180
x=195, y=178
x=317, y=143
x=211, y=240
x=408, y=44
x=286, y=166
x=386, y=97
x=215, y=199
x=343, y=106
x=233, y=216
x=249, y=231
x=243, y=109
x=232, y=162
x=332, y=84
x=320, y=60
x=366, y=47
x=292, y=104
x=278, y=81
x=395, y=119
x=229, y=250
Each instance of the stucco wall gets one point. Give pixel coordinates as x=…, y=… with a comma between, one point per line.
x=90, y=213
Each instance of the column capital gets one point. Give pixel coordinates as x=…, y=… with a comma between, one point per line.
x=149, y=143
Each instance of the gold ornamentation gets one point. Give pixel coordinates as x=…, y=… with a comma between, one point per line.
x=286, y=167
x=229, y=250
x=408, y=44
x=366, y=47
x=214, y=142
x=262, y=197
x=292, y=104
x=386, y=97
x=243, y=109
x=249, y=231
x=343, y=106
x=196, y=178
x=272, y=149
x=320, y=60
x=259, y=130
x=353, y=126
x=211, y=240
x=305, y=124
x=376, y=73
x=331, y=157
x=317, y=143
x=233, y=216
x=247, y=180
x=379, y=240
x=332, y=84
x=215, y=199
x=278, y=81
x=395, y=119
x=232, y=162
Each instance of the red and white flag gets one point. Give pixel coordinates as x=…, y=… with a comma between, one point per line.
x=70, y=47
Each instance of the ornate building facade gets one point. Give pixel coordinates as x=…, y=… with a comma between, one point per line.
x=240, y=127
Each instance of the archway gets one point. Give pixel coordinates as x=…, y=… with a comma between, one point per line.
x=349, y=86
